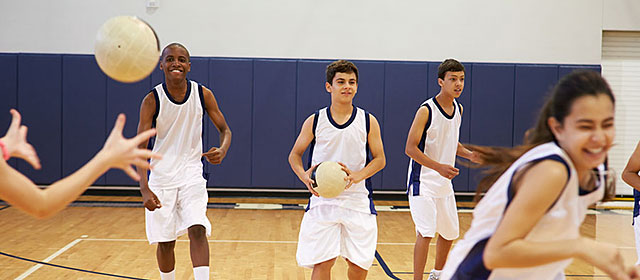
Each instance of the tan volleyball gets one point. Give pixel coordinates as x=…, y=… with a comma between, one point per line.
x=127, y=49
x=329, y=179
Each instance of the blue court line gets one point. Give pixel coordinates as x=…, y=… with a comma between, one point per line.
x=385, y=267
x=70, y=268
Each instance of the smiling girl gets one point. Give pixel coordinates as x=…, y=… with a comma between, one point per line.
x=527, y=226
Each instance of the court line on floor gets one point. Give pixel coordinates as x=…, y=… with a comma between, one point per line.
x=48, y=259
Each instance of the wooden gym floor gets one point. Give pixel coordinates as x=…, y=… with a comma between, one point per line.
x=251, y=239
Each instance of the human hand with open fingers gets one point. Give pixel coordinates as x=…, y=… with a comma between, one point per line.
x=16, y=141
x=606, y=257
x=150, y=200
x=215, y=155
x=308, y=181
x=447, y=171
x=352, y=177
x=122, y=153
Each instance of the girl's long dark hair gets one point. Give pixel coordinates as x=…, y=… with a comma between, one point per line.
x=558, y=105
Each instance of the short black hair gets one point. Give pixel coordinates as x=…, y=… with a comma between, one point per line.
x=176, y=44
x=449, y=65
x=341, y=66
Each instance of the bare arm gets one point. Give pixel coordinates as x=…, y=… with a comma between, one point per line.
x=215, y=155
x=630, y=172
x=295, y=156
x=147, y=110
x=117, y=152
x=412, y=150
x=536, y=192
x=377, y=152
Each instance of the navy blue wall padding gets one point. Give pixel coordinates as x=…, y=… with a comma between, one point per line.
x=370, y=97
x=532, y=85
x=9, y=92
x=274, y=99
x=124, y=98
x=70, y=107
x=311, y=95
x=39, y=102
x=563, y=70
x=492, y=108
x=231, y=81
x=405, y=88
x=83, y=112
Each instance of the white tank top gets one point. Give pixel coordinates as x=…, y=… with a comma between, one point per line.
x=346, y=143
x=178, y=139
x=440, y=143
x=561, y=222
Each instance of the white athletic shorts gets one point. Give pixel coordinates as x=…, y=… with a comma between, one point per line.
x=636, y=230
x=329, y=231
x=182, y=208
x=435, y=214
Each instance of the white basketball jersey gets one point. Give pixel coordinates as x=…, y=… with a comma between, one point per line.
x=346, y=143
x=440, y=143
x=561, y=222
x=178, y=139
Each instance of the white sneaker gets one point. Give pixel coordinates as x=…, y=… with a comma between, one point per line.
x=432, y=276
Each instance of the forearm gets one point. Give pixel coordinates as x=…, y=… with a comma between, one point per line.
x=462, y=151
x=26, y=196
x=421, y=158
x=523, y=253
x=374, y=166
x=632, y=179
x=225, y=139
x=295, y=161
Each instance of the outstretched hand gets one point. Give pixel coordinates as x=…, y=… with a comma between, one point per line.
x=16, y=141
x=122, y=153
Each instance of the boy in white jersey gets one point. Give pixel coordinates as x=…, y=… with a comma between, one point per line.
x=175, y=195
x=345, y=225
x=433, y=144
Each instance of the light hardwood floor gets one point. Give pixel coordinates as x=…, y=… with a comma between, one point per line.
x=245, y=244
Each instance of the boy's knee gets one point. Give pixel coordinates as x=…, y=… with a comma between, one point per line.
x=166, y=246
x=325, y=264
x=197, y=232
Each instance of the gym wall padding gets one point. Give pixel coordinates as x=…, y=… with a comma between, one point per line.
x=405, y=88
x=70, y=106
x=9, y=92
x=231, y=81
x=84, y=94
x=39, y=101
x=274, y=99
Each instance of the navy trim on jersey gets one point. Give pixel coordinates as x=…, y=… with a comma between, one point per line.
x=367, y=182
x=354, y=112
x=459, y=108
x=152, y=140
x=205, y=174
x=186, y=96
x=435, y=101
x=511, y=193
x=201, y=94
x=311, y=146
x=636, y=207
x=426, y=126
x=472, y=267
x=416, y=168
